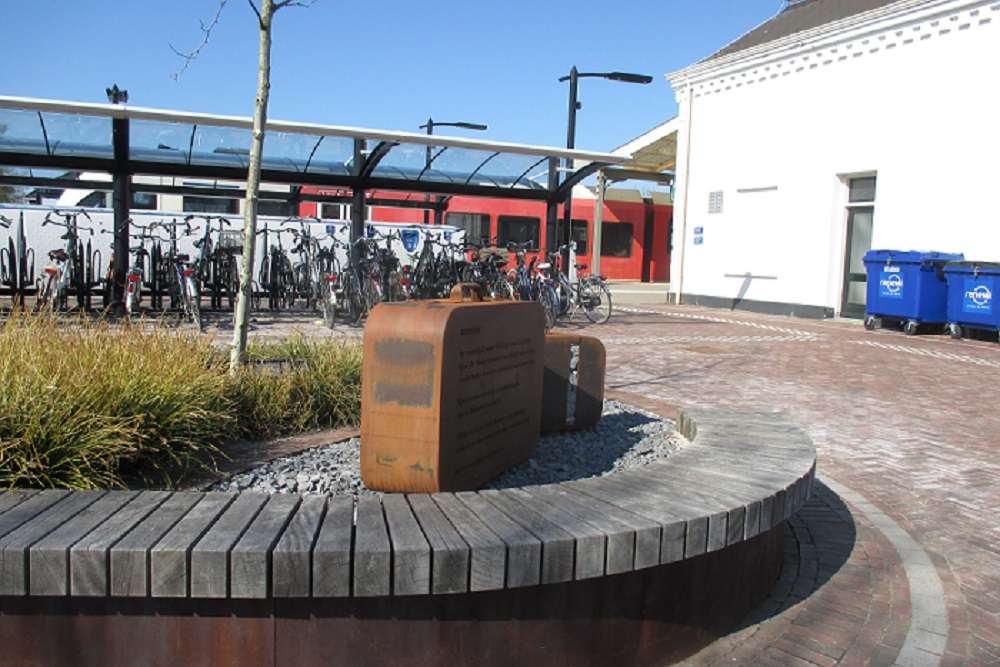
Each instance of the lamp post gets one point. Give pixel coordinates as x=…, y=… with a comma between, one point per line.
x=116, y=96
x=429, y=126
x=574, y=106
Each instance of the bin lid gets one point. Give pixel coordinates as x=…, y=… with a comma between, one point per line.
x=911, y=257
x=991, y=268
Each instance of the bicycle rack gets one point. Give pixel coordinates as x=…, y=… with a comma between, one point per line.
x=17, y=266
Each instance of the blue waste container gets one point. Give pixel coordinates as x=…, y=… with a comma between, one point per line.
x=907, y=288
x=971, y=288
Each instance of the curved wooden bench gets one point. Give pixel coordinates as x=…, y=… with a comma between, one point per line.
x=742, y=476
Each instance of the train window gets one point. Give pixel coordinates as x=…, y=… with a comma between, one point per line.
x=275, y=207
x=476, y=225
x=333, y=211
x=616, y=239
x=193, y=204
x=145, y=201
x=580, y=234
x=518, y=229
x=96, y=199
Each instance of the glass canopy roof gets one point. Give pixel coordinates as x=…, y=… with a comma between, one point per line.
x=43, y=133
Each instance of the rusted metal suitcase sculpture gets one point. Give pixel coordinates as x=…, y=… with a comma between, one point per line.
x=573, y=388
x=451, y=391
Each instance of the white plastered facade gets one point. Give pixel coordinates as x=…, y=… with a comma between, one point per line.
x=907, y=93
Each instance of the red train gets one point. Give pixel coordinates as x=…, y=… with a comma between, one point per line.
x=636, y=230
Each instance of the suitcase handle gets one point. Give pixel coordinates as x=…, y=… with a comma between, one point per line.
x=473, y=291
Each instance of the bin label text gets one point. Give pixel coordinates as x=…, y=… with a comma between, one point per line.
x=978, y=296
x=890, y=283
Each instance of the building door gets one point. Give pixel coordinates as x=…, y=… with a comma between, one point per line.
x=860, y=219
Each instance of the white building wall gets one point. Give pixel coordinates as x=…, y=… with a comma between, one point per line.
x=908, y=98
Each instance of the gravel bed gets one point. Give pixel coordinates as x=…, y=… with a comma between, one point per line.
x=625, y=437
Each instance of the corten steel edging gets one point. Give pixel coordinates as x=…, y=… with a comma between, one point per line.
x=621, y=574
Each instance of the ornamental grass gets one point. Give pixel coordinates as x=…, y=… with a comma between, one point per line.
x=85, y=404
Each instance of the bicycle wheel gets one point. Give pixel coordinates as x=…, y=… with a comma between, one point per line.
x=329, y=303
x=563, y=291
x=595, y=297
x=550, y=302
x=354, y=299
x=501, y=289
x=192, y=302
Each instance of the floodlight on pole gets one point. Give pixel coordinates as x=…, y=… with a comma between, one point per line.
x=574, y=106
x=116, y=96
x=429, y=126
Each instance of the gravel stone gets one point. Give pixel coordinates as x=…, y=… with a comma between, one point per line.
x=625, y=437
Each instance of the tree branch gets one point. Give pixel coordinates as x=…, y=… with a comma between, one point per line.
x=188, y=57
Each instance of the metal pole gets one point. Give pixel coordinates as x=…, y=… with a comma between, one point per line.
x=427, y=165
x=122, y=199
x=574, y=105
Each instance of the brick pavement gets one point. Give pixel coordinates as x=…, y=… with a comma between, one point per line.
x=899, y=567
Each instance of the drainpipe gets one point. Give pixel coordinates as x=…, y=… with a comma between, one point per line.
x=595, y=252
x=677, y=289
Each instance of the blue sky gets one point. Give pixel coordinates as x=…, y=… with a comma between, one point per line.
x=383, y=64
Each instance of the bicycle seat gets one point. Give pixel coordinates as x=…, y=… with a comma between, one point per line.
x=182, y=258
x=543, y=266
x=59, y=254
x=581, y=267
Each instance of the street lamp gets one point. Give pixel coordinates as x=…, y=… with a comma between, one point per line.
x=574, y=106
x=429, y=126
x=116, y=96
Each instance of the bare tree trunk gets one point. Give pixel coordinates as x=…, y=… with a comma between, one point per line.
x=237, y=353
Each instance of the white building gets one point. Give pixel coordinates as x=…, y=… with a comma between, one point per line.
x=836, y=127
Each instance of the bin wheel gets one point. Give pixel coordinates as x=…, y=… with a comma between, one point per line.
x=910, y=328
x=955, y=330
x=871, y=322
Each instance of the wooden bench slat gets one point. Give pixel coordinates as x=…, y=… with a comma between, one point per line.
x=28, y=507
x=524, y=550
x=210, y=555
x=449, y=552
x=372, y=550
x=487, y=552
x=411, y=555
x=90, y=557
x=14, y=546
x=559, y=551
x=9, y=499
x=250, y=558
x=591, y=543
x=169, y=572
x=332, y=558
x=49, y=560
x=291, y=560
x=130, y=557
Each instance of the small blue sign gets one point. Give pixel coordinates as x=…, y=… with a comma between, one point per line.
x=699, y=230
x=331, y=229
x=978, y=296
x=890, y=283
x=698, y=240
x=410, y=239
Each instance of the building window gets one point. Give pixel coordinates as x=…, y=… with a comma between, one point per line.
x=518, y=229
x=476, y=225
x=616, y=239
x=861, y=190
x=580, y=235
x=221, y=205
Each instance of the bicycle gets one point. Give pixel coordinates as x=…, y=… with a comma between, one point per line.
x=587, y=291
x=182, y=273
x=530, y=284
x=316, y=275
x=63, y=266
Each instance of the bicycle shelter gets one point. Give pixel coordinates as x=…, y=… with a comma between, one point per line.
x=128, y=141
